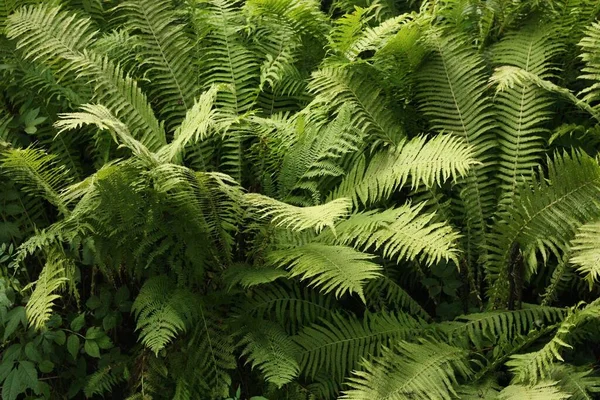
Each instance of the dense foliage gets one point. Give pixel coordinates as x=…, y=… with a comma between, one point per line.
x=293, y=199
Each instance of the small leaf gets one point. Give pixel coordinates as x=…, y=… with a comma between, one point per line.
x=28, y=374
x=14, y=316
x=94, y=333
x=73, y=345
x=93, y=302
x=91, y=348
x=78, y=323
x=5, y=368
x=32, y=352
x=60, y=337
x=46, y=366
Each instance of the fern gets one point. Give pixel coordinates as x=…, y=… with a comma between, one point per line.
x=269, y=349
x=425, y=163
x=586, y=252
x=411, y=370
x=337, y=269
x=51, y=279
x=531, y=367
x=522, y=108
x=299, y=218
x=167, y=55
x=162, y=311
x=336, y=347
x=541, y=391
x=580, y=383
x=402, y=232
x=546, y=216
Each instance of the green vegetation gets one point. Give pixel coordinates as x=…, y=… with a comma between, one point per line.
x=293, y=199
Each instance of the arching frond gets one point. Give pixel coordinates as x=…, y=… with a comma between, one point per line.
x=494, y=326
x=51, y=279
x=545, y=217
x=163, y=310
x=60, y=40
x=535, y=366
x=418, y=161
x=337, y=269
x=272, y=351
x=403, y=232
x=586, y=252
x=291, y=306
x=542, y=391
x=299, y=218
x=418, y=371
x=38, y=173
x=336, y=347
x=591, y=72
x=393, y=296
x=580, y=383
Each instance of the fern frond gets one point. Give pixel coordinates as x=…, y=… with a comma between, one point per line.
x=337, y=269
x=335, y=87
x=336, y=347
x=317, y=154
x=400, y=233
x=166, y=52
x=522, y=107
x=591, y=72
x=102, y=117
x=586, y=252
x=531, y=367
x=418, y=161
x=393, y=295
x=542, y=391
x=38, y=173
x=60, y=40
x=545, y=217
x=51, y=279
x=580, y=383
x=162, y=310
x=451, y=88
x=299, y=218
x=248, y=276
x=417, y=371
x=272, y=351
x=290, y=305
x=101, y=382
x=496, y=326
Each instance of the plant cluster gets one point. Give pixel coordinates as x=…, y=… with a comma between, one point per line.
x=299, y=200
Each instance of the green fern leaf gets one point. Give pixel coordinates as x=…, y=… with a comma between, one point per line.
x=162, y=310
x=586, y=252
x=272, y=351
x=51, y=279
x=411, y=371
x=541, y=391
x=337, y=269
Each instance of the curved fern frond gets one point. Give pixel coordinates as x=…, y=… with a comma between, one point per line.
x=38, y=173
x=546, y=216
x=299, y=218
x=272, y=351
x=495, y=326
x=591, y=72
x=60, y=39
x=393, y=295
x=337, y=269
x=100, y=116
x=417, y=371
x=166, y=53
x=418, y=161
x=51, y=279
x=403, y=232
x=162, y=310
x=248, y=276
x=531, y=367
x=336, y=347
x=586, y=252
x=580, y=383
x=542, y=391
